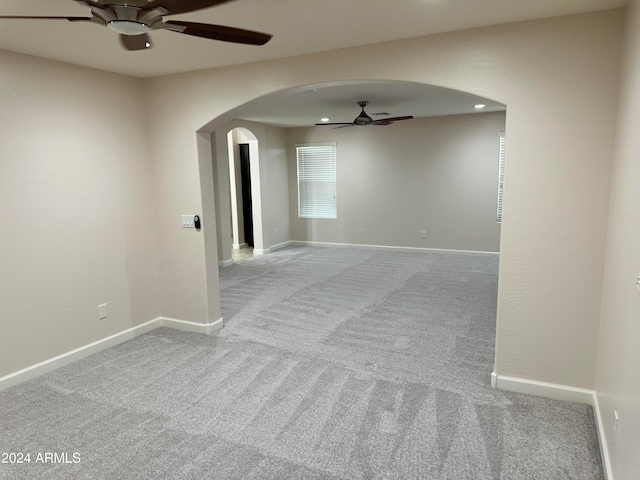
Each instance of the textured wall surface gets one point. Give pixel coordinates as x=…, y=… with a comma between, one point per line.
x=76, y=209
x=618, y=374
x=76, y=190
x=438, y=175
x=559, y=80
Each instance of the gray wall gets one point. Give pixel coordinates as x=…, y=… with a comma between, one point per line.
x=438, y=175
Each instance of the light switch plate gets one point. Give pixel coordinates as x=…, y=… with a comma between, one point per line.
x=188, y=221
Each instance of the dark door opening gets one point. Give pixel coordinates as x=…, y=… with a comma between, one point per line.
x=247, y=204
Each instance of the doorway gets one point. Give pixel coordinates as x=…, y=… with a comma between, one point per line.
x=247, y=202
x=240, y=230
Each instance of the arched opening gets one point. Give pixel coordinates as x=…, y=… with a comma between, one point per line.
x=271, y=193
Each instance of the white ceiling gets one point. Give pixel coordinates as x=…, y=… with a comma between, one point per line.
x=339, y=103
x=298, y=27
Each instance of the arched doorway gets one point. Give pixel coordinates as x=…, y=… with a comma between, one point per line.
x=221, y=149
x=228, y=122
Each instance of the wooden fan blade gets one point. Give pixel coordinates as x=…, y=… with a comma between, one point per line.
x=136, y=42
x=219, y=32
x=335, y=123
x=387, y=121
x=71, y=19
x=345, y=125
x=182, y=6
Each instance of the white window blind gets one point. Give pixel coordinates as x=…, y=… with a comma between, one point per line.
x=317, y=180
x=501, y=175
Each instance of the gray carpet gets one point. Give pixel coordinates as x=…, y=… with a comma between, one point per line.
x=333, y=364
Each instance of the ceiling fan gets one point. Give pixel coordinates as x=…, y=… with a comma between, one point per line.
x=133, y=19
x=363, y=119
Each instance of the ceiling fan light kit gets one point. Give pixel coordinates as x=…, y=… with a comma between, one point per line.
x=127, y=27
x=134, y=19
x=364, y=120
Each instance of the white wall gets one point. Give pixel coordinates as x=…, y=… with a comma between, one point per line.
x=76, y=209
x=618, y=375
x=558, y=78
x=438, y=175
x=278, y=193
x=74, y=244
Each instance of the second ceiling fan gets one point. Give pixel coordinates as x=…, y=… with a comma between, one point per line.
x=363, y=119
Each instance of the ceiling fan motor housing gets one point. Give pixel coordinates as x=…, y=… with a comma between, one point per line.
x=128, y=18
x=133, y=19
x=363, y=119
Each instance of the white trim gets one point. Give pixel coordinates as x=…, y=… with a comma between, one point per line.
x=542, y=389
x=238, y=246
x=389, y=247
x=561, y=392
x=76, y=354
x=272, y=248
x=79, y=353
x=278, y=246
x=186, y=326
x=602, y=439
x=225, y=263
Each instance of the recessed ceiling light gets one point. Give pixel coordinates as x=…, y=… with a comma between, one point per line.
x=479, y=106
x=325, y=119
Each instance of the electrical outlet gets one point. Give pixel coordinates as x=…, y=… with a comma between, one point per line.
x=102, y=311
x=361, y=232
x=275, y=231
x=616, y=419
x=423, y=234
x=638, y=281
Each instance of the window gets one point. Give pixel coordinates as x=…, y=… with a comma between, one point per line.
x=317, y=180
x=501, y=175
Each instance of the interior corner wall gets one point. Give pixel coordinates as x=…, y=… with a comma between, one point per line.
x=278, y=192
x=438, y=175
x=618, y=373
x=222, y=197
x=76, y=205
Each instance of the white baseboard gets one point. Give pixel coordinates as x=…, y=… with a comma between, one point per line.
x=185, y=326
x=225, y=263
x=279, y=246
x=602, y=439
x=54, y=363
x=542, y=389
x=560, y=392
x=238, y=246
x=388, y=247
x=261, y=251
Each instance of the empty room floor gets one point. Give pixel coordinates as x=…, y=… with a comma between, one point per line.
x=333, y=364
